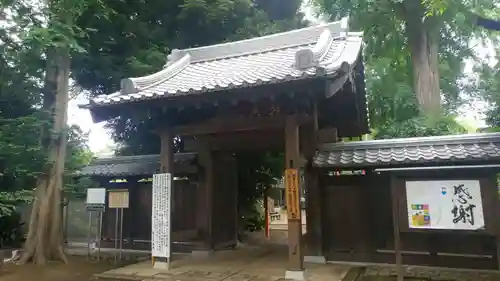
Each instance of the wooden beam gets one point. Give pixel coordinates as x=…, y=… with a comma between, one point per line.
x=228, y=124
x=335, y=85
x=242, y=141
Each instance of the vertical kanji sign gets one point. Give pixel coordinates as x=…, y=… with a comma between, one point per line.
x=161, y=216
x=292, y=193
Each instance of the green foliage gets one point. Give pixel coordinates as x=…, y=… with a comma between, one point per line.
x=487, y=88
x=435, y=7
x=253, y=220
x=11, y=233
x=136, y=37
x=20, y=151
x=494, y=130
x=79, y=155
x=419, y=127
x=256, y=172
x=23, y=42
x=392, y=101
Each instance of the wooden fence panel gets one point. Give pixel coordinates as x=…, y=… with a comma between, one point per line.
x=357, y=226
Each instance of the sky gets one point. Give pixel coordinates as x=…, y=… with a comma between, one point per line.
x=99, y=139
x=101, y=143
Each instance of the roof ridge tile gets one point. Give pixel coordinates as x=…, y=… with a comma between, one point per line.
x=246, y=63
x=265, y=43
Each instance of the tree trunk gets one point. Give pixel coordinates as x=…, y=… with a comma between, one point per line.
x=45, y=239
x=423, y=45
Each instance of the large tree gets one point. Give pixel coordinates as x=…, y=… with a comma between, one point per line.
x=408, y=28
x=47, y=31
x=33, y=95
x=415, y=53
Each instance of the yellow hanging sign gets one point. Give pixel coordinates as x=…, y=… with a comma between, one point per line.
x=292, y=193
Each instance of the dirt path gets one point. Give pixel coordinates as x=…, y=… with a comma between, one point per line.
x=78, y=269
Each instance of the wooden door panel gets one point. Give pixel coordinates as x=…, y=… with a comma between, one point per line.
x=345, y=224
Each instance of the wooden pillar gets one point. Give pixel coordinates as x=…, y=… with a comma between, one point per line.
x=395, y=223
x=166, y=166
x=314, y=242
x=205, y=196
x=167, y=153
x=266, y=213
x=490, y=184
x=292, y=158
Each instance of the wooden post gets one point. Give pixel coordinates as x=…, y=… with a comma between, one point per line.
x=266, y=211
x=314, y=242
x=314, y=216
x=292, y=156
x=491, y=185
x=167, y=153
x=166, y=166
x=395, y=222
x=205, y=213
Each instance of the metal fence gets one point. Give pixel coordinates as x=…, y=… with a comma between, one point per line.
x=75, y=220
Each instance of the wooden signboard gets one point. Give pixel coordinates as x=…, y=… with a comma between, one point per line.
x=118, y=199
x=292, y=193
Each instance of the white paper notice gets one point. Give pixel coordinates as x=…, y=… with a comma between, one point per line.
x=160, y=227
x=453, y=204
x=96, y=196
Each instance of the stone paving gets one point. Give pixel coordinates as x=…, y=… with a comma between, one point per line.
x=434, y=273
x=269, y=263
x=259, y=264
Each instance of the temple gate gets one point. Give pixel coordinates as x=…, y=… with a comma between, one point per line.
x=285, y=92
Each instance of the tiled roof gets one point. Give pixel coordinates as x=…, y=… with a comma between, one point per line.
x=321, y=50
x=409, y=151
x=135, y=165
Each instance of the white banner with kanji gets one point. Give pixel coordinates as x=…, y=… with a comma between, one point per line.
x=450, y=204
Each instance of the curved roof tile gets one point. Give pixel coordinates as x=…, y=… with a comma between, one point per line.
x=320, y=50
x=408, y=151
x=140, y=165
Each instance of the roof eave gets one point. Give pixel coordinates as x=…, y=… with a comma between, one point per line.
x=415, y=141
x=164, y=97
x=408, y=164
